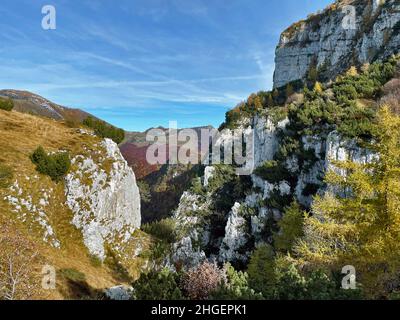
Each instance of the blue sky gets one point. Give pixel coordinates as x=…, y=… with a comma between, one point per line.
x=142, y=63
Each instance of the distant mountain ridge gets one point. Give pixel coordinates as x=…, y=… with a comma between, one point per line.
x=134, y=149
x=28, y=102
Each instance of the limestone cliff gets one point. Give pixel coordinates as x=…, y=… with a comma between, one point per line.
x=83, y=224
x=299, y=138
x=106, y=205
x=331, y=43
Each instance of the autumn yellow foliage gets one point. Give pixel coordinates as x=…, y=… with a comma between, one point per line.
x=357, y=221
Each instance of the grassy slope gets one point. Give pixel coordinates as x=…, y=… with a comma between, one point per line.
x=20, y=134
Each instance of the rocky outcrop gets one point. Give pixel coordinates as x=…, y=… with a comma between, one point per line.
x=208, y=174
x=119, y=293
x=235, y=236
x=187, y=217
x=104, y=198
x=328, y=41
x=266, y=142
x=28, y=208
x=339, y=149
x=321, y=42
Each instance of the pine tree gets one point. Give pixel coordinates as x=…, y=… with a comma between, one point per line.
x=291, y=228
x=312, y=76
x=261, y=271
x=357, y=222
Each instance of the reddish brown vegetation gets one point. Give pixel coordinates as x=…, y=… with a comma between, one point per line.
x=200, y=282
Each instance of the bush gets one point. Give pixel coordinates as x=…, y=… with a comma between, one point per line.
x=163, y=230
x=6, y=104
x=145, y=191
x=261, y=271
x=105, y=130
x=73, y=275
x=272, y=171
x=161, y=285
x=56, y=166
x=19, y=279
x=278, y=277
x=227, y=187
x=291, y=228
x=6, y=176
x=235, y=287
x=314, y=285
x=200, y=282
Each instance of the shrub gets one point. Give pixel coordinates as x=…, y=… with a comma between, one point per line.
x=277, y=114
x=197, y=187
x=6, y=104
x=261, y=271
x=291, y=228
x=200, y=282
x=145, y=192
x=316, y=110
x=228, y=187
x=105, y=130
x=56, y=166
x=6, y=176
x=272, y=171
x=314, y=285
x=73, y=275
x=278, y=277
x=163, y=230
x=161, y=285
x=236, y=287
x=19, y=279
x=357, y=122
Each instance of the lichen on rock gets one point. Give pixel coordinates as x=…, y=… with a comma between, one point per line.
x=104, y=199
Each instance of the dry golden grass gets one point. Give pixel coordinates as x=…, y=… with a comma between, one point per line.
x=20, y=135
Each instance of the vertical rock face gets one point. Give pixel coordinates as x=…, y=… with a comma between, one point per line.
x=187, y=216
x=235, y=236
x=325, y=41
x=339, y=149
x=266, y=142
x=208, y=174
x=321, y=43
x=104, y=198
